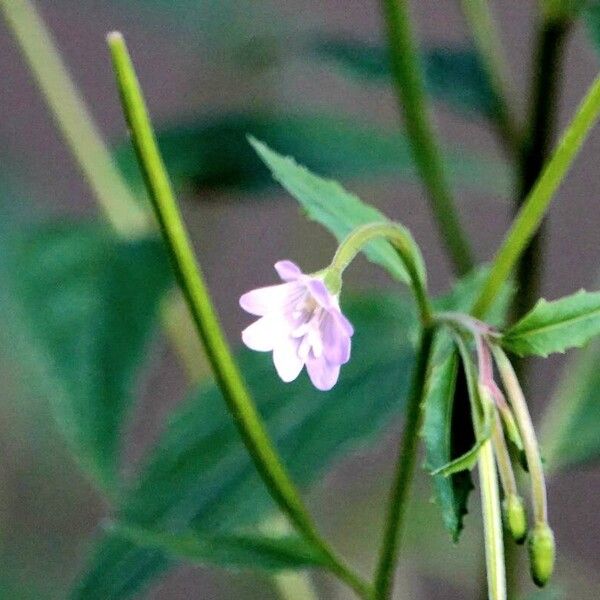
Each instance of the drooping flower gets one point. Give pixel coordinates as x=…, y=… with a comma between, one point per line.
x=302, y=324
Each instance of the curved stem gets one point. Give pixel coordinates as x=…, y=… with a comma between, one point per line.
x=400, y=238
x=538, y=200
x=487, y=41
x=405, y=467
x=410, y=89
x=530, y=445
x=231, y=383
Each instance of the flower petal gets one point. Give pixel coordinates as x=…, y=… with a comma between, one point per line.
x=322, y=373
x=286, y=360
x=287, y=270
x=336, y=342
x=320, y=293
x=271, y=298
x=264, y=334
x=341, y=321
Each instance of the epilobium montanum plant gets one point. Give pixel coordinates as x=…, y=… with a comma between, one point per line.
x=464, y=353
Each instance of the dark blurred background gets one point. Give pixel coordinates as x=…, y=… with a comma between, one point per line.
x=202, y=58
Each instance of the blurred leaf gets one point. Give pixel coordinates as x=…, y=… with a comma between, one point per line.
x=80, y=307
x=570, y=436
x=214, y=153
x=453, y=75
x=556, y=326
x=200, y=474
x=256, y=551
x=452, y=492
x=340, y=212
x=591, y=18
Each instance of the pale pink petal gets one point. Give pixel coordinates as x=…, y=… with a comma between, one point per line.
x=320, y=293
x=287, y=270
x=342, y=321
x=336, y=342
x=264, y=334
x=322, y=373
x=286, y=360
x=271, y=298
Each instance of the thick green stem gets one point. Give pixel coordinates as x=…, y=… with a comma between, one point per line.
x=410, y=89
x=191, y=280
x=538, y=200
x=405, y=467
x=487, y=41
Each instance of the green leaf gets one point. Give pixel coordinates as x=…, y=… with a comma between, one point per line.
x=570, y=433
x=591, y=18
x=468, y=460
x=212, y=154
x=200, y=474
x=453, y=75
x=339, y=211
x=80, y=307
x=451, y=492
x=556, y=326
x=239, y=551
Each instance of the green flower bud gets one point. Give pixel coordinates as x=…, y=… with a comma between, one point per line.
x=541, y=554
x=515, y=517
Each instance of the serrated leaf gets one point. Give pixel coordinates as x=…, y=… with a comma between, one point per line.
x=339, y=211
x=80, y=307
x=451, y=492
x=232, y=551
x=453, y=75
x=200, y=474
x=213, y=153
x=556, y=326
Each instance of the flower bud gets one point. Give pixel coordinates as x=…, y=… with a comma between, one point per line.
x=541, y=554
x=515, y=517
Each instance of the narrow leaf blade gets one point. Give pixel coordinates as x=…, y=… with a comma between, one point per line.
x=328, y=203
x=237, y=551
x=451, y=492
x=556, y=326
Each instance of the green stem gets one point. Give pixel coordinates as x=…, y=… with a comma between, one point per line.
x=410, y=89
x=400, y=238
x=492, y=523
x=488, y=483
x=530, y=445
x=487, y=41
x=74, y=119
x=405, y=467
x=191, y=280
x=538, y=200
x=536, y=149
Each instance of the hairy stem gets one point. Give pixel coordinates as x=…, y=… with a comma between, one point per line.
x=405, y=466
x=191, y=280
x=410, y=89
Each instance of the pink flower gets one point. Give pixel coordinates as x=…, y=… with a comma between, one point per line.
x=301, y=323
